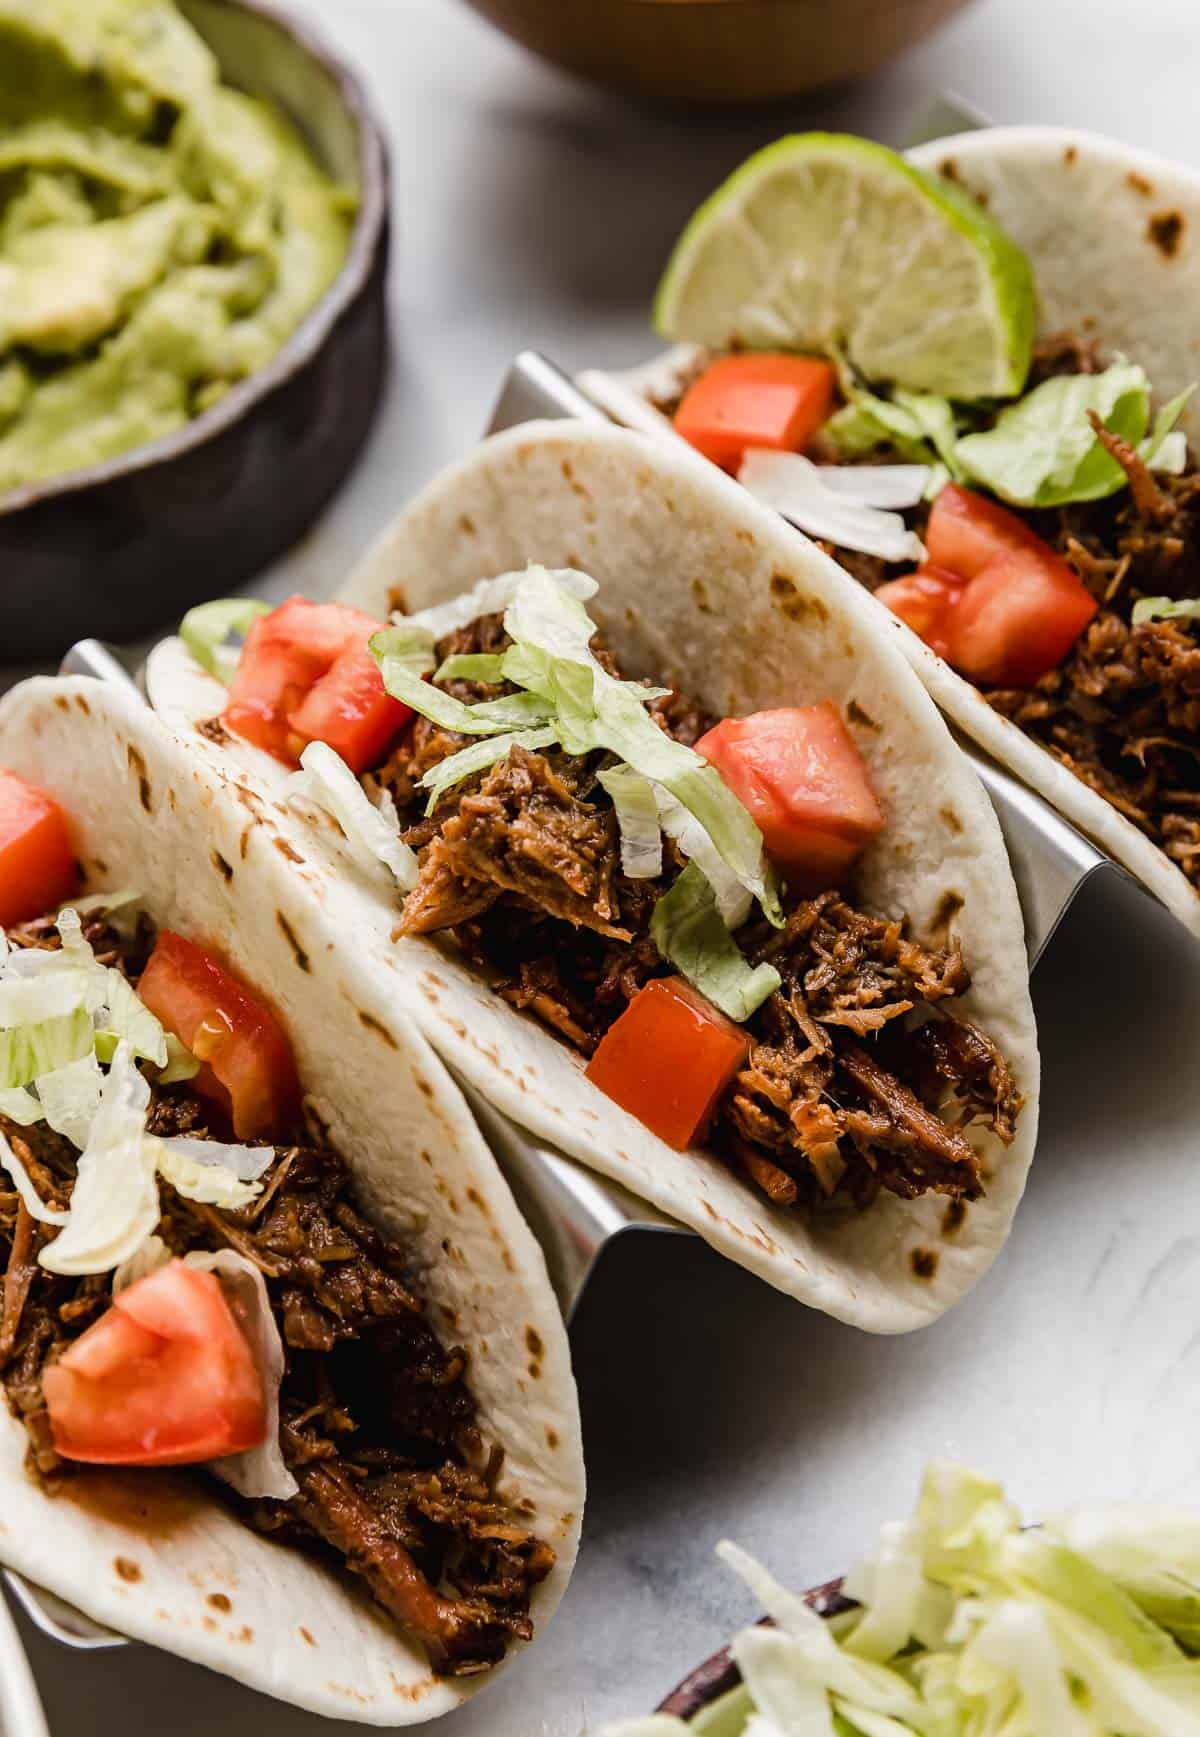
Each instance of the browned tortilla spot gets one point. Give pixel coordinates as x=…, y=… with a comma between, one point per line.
x=137, y=766
x=793, y=603
x=533, y=1341
x=289, y=935
x=551, y=1438
x=466, y=525
x=924, y=1263
x=949, y=168
x=1165, y=231
x=1140, y=184
x=285, y=849
x=951, y=819
x=700, y=593
x=221, y=866
x=127, y=1570
x=863, y=719
x=948, y=907
x=81, y=702
x=307, y=1638
x=62, y=702
x=219, y=1601
x=952, y=1218
x=424, y=1087
x=372, y=1024
x=1070, y=154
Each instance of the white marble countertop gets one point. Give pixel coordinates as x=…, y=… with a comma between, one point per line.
x=530, y=210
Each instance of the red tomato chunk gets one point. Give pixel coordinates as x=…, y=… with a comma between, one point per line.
x=756, y=399
x=804, y=782
x=164, y=1378
x=247, y=1066
x=307, y=675
x=37, y=865
x=668, y=1059
x=995, y=600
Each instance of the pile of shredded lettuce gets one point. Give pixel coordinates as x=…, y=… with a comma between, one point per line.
x=970, y=1626
x=72, y=1035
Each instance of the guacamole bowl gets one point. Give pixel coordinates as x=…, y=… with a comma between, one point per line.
x=120, y=546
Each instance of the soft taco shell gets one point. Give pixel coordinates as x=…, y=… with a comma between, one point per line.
x=700, y=585
x=1114, y=238
x=156, y=1555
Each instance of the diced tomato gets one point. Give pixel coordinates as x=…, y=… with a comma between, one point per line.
x=668, y=1059
x=247, y=1066
x=966, y=530
x=755, y=399
x=37, y=865
x=165, y=1377
x=995, y=600
x=351, y=710
x=305, y=670
x=926, y=600
x=1018, y=618
x=803, y=780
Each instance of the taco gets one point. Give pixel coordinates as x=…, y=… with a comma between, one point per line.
x=1002, y=453
x=288, y=1392
x=776, y=986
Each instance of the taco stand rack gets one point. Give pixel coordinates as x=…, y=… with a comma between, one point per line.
x=574, y=1212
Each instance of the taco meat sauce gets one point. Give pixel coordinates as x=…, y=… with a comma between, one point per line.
x=857, y=1073
x=377, y=1422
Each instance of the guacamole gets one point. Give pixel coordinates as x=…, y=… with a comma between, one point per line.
x=161, y=234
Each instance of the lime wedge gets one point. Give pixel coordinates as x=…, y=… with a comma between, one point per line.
x=823, y=242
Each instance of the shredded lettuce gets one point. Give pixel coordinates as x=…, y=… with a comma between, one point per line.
x=70, y=1097
x=1043, y=451
x=261, y=1471
x=731, y=895
x=210, y=1182
x=372, y=835
x=919, y=426
x=794, y=486
x=567, y=694
x=124, y=1017
x=1166, y=609
x=405, y=648
x=478, y=757
x=892, y=487
x=181, y=1063
x=472, y=666
x=636, y=808
x=489, y=597
x=27, y=1051
x=20, y=1106
x=247, y=1163
x=114, y=1203
x=688, y=929
x=214, y=632
x=969, y=1625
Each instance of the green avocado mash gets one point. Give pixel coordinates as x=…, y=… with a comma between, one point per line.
x=161, y=234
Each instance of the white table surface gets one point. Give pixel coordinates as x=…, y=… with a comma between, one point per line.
x=533, y=211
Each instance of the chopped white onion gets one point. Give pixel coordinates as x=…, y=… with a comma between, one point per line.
x=793, y=485
x=371, y=834
x=247, y=1163
x=892, y=486
x=209, y=1183
x=260, y=1471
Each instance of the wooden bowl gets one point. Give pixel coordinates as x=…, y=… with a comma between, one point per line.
x=125, y=546
x=718, y=51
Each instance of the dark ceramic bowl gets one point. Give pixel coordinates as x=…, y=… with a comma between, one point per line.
x=123, y=547
x=710, y=1698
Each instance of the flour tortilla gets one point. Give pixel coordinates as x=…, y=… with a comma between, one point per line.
x=701, y=585
x=1114, y=238
x=155, y=1554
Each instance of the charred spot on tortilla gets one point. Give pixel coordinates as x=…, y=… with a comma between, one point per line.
x=62, y=702
x=1070, y=155
x=949, y=168
x=533, y=1343
x=953, y=823
x=220, y=1601
x=947, y=908
x=222, y=867
x=924, y=1263
x=244, y=841
x=1140, y=184
x=214, y=730
x=303, y=962
x=127, y=1570
x=395, y=595
x=1165, y=232
x=551, y=1438
x=377, y=1027
x=793, y=603
x=285, y=848
x=954, y=1216
x=137, y=765
x=700, y=594
x=306, y=1637
x=858, y=716
x=81, y=702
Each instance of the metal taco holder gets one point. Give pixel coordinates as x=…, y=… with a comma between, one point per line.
x=574, y=1212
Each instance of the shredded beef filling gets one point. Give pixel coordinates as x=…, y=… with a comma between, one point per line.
x=377, y=1421
x=857, y=1079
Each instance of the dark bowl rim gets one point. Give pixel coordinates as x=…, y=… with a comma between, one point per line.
x=718, y=1675
x=366, y=237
